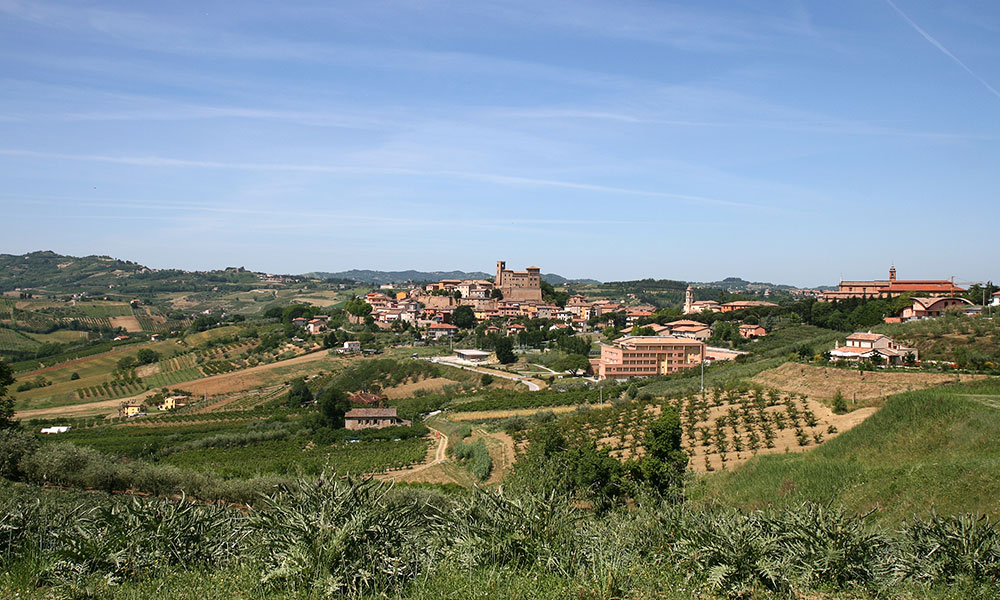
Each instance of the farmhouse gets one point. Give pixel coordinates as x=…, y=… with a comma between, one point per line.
x=645, y=356
x=372, y=418
x=863, y=345
x=130, y=409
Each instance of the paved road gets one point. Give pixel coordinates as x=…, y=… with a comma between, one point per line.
x=532, y=386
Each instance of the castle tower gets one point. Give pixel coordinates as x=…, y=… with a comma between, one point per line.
x=501, y=265
x=892, y=273
x=688, y=300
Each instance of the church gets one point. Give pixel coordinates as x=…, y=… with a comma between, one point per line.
x=893, y=288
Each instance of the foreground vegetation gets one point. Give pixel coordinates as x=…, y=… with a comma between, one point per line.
x=322, y=538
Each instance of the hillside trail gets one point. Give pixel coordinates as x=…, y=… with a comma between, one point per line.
x=440, y=456
x=533, y=385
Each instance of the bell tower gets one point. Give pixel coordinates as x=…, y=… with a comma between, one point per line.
x=501, y=265
x=892, y=273
x=688, y=300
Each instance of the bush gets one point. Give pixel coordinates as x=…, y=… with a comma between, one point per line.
x=14, y=447
x=486, y=379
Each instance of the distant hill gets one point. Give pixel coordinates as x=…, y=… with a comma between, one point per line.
x=380, y=277
x=59, y=273
x=737, y=283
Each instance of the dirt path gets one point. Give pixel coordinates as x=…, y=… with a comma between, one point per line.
x=533, y=385
x=440, y=456
x=72, y=411
x=480, y=415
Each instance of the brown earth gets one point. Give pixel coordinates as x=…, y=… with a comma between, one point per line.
x=254, y=377
x=858, y=387
x=226, y=383
x=130, y=324
x=482, y=415
x=433, y=384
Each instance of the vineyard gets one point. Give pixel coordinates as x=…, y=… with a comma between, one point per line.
x=173, y=377
x=11, y=340
x=719, y=429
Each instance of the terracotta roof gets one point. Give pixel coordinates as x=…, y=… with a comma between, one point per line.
x=850, y=350
x=442, y=326
x=866, y=337
x=683, y=322
x=367, y=413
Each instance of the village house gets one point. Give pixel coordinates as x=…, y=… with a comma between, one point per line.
x=315, y=326
x=645, y=356
x=373, y=418
x=996, y=299
x=865, y=345
x=436, y=331
x=515, y=329
x=351, y=347
x=691, y=307
x=748, y=331
x=892, y=288
x=925, y=308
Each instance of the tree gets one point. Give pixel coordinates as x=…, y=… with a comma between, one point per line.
x=573, y=363
x=125, y=363
x=486, y=379
x=7, y=420
x=74, y=376
x=299, y=395
x=839, y=403
x=663, y=466
x=463, y=317
x=505, y=350
x=146, y=356
x=496, y=294
x=332, y=403
x=358, y=307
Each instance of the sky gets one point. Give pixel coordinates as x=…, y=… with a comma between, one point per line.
x=793, y=142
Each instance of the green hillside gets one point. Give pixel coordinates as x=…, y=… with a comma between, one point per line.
x=928, y=449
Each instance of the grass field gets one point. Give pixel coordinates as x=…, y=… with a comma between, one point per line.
x=926, y=449
x=61, y=336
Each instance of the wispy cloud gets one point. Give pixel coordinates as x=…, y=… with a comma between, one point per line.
x=493, y=178
x=934, y=42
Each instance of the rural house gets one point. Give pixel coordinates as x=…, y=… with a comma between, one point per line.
x=372, y=418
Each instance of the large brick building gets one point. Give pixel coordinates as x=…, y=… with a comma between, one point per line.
x=645, y=356
x=892, y=288
x=521, y=286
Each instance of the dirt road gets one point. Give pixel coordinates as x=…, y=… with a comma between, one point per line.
x=440, y=456
x=533, y=384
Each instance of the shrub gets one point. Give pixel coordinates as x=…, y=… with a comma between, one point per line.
x=15, y=446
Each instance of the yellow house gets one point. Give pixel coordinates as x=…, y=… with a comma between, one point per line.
x=169, y=403
x=129, y=409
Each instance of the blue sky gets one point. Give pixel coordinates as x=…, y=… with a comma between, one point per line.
x=795, y=142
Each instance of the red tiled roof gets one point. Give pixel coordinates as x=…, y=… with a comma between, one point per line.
x=442, y=326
